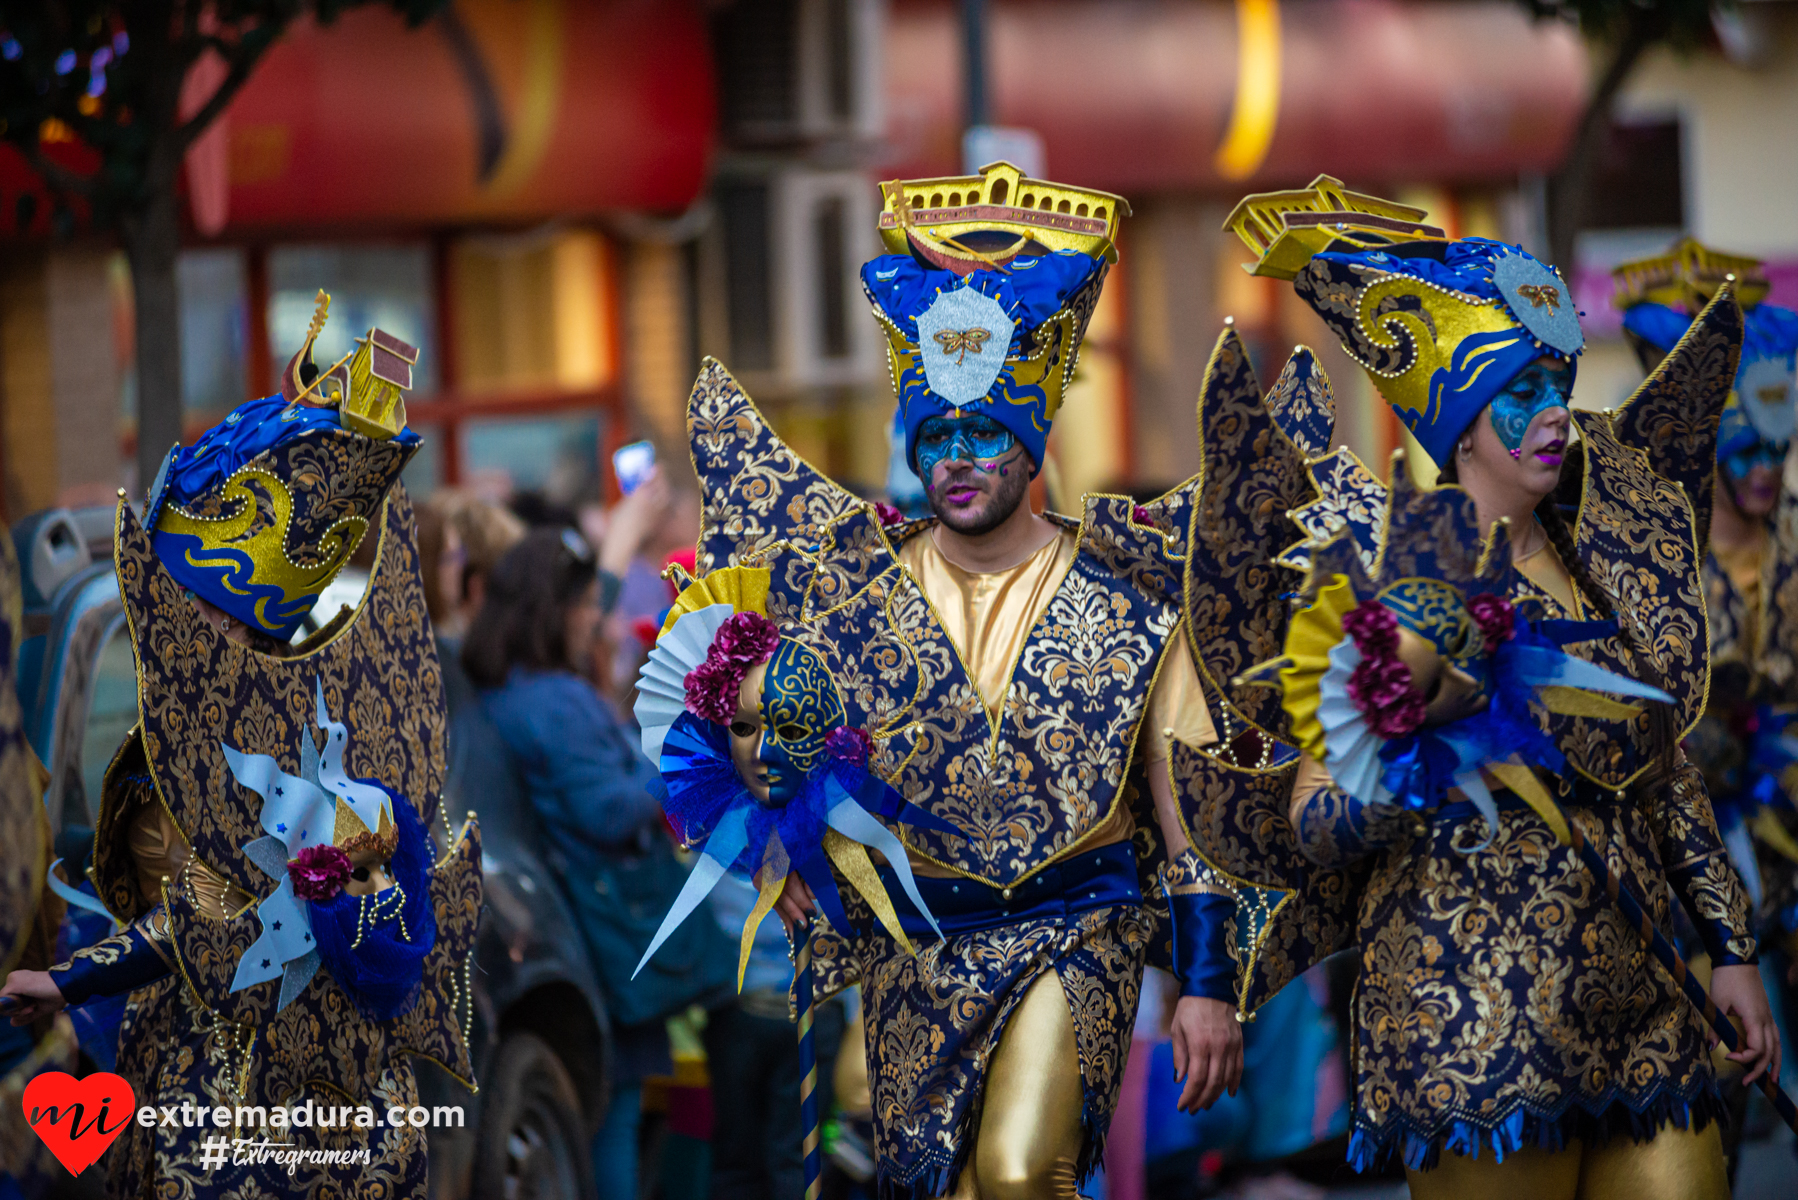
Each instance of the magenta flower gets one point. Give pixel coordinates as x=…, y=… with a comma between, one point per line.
x=849, y=745
x=887, y=514
x=319, y=872
x=745, y=640
x=1495, y=617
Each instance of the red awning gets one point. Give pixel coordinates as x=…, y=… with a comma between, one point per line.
x=502, y=110
x=496, y=110
x=1140, y=97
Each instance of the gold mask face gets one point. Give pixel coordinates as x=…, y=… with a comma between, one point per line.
x=746, y=734
x=1449, y=693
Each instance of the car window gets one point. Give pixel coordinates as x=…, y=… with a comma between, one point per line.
x=111, y=712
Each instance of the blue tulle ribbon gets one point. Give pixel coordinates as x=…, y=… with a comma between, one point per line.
x=1420, y=769
x=711, y=808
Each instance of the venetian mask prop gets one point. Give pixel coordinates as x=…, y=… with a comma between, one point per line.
x=353, y=863
x=1419, y=675
x=763, y=773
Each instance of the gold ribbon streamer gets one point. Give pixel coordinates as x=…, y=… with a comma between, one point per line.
x=1520, y=779
x=764, y=904
x=1575, y=702
x=851, y=857
x=1767, y=827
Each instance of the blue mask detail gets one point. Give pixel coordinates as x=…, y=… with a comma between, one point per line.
x=1537, y=389
x=979, y=440
x=800, y=706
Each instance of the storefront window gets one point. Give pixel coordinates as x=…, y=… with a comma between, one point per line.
x=555, y=457
x=213, y=293
x=370, y=285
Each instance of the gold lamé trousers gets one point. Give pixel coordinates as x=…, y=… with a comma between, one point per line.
x=1676, y=1165
x=1029, y=1136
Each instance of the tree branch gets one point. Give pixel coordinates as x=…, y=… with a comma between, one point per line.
x=55, y=174
x=1569, y=185
x=243, y=62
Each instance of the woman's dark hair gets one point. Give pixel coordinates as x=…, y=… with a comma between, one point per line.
x=1663, y=732
x=528, y=594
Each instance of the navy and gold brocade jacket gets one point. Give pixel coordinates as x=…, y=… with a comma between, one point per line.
x=1027, y=788
x=1503, y=1000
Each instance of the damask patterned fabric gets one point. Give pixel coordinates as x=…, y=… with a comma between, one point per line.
x=175, y=1051
x=1504, y=1001
x=189, y=1037
x=1030, y=782
x=932, y=1021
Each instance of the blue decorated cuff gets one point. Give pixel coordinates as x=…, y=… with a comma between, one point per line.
x=114, y=965
x=1204, y=930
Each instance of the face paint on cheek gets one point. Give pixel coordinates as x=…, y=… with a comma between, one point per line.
x=1531, y=394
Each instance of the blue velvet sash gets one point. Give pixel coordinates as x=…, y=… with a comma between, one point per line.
x=1081, y=883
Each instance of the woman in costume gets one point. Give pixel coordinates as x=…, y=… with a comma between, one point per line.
x=1742, y=743
x=289, y=933
x=1469, y=672
x=986, y=698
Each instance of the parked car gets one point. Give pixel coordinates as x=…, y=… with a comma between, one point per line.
x=541, y=1041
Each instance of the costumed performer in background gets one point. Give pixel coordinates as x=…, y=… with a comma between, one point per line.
x=289, y=931
x=1750, y=576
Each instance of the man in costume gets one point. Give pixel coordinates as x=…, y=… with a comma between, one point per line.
x=1013, y=680
x=1470, y=681
x=291, y=926
x=1750, y=575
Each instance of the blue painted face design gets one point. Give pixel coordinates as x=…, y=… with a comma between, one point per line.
x=1740, y=465
x=800, y=706
x=1741, y=448
x=979, y=440
x=1537, y=389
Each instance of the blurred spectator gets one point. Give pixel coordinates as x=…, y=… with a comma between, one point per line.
x=758, y=1149
x=460, y=539
x=587, y=780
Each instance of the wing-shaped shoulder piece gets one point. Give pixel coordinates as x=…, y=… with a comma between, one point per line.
x=1346, y=494
x=1638, y=538
x=1142, y=553
x=757, y=491
x=1250, y=477
x=1672, y=417
x=1350, y=500
x=1239, y=820
x=1303, y=405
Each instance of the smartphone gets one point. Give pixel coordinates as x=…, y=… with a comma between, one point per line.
x=632, y=465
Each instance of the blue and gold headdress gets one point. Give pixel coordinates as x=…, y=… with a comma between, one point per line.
x=986, y=295
x=1442, y=325
x=258, y=516
x=1660, y=296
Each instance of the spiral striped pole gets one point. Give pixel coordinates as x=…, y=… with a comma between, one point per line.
x=808, y=1062
x=1657, y=944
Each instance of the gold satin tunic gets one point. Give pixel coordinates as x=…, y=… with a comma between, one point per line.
x=1028, y=1136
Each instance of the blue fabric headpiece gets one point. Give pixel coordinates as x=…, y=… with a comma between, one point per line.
x=1443, y=326
x=258, y=516
x=1761, y=410
x=999, y=343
